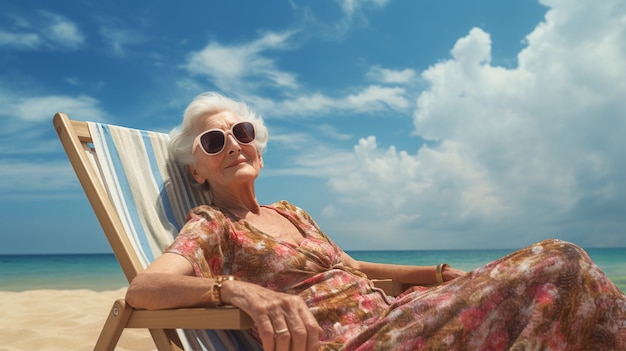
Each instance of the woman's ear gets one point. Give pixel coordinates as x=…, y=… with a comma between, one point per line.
x=195, y=175
x=260, y=159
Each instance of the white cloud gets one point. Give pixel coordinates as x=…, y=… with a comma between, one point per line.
x=376, y=98
x=349, y=7
x=26, y=126
x=524, y=153
x=329, y=211
x=63, y=32
x=300, y=105
x=370, y=99
x=473, y=50
x=243, y=67
x=24, y=178
x=29, y=168
x=119, y=37
x=389, y=76
x=40, y=108
x=47, y=31
x=332, y=132
x=20, y=40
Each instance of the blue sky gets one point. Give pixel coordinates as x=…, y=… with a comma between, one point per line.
x=397, y=124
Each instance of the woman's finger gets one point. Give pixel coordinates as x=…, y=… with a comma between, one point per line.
x=282, y=338
x=314, y=331
x=303, y=328
x=266, y=332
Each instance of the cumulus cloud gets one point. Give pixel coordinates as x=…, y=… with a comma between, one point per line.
x=522, y=153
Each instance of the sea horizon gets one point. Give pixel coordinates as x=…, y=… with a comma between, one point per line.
x=101, y=271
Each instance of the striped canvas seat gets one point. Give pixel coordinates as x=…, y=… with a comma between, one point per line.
x=151, y=195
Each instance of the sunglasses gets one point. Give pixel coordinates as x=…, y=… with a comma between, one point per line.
x=213, y=141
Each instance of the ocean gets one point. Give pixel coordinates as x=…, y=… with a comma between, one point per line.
x=101, y=272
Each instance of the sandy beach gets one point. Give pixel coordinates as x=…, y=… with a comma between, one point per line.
x=61, y=320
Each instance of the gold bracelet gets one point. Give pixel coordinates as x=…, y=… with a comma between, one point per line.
x=215, y=295
x=439, y=272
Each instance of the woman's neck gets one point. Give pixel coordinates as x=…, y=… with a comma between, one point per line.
x=239, y=204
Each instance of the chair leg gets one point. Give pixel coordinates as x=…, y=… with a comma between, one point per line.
x=166, y=340
x=113, y=327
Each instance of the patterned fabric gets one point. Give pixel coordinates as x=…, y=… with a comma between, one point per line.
x=152, y=196
x=549, y=296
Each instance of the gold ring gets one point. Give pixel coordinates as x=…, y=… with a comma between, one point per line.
x=280, y=331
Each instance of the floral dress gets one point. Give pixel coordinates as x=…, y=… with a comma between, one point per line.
x=549, y=296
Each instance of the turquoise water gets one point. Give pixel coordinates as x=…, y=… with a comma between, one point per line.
x=27, y=272
x=102, y=272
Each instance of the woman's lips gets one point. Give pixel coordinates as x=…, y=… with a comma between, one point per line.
x=236, y=162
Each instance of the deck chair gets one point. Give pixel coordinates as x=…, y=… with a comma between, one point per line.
x=141, y=198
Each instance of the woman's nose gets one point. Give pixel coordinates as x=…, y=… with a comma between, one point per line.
x=232, y=145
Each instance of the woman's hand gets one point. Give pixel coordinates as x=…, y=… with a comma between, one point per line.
x=284, y=321
x=451, y=273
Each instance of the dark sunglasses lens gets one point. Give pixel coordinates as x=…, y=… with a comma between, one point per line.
x=212, y=142
x=244, y=132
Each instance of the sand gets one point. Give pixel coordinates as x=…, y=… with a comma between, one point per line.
x=61, y=320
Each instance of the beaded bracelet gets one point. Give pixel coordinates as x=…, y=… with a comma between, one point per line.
x=439, y=272
x=215, y=295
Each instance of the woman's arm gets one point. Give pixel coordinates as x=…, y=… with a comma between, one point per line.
x=169, y=283
x=416, y=275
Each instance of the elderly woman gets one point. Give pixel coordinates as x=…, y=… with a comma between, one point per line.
x=304, y=293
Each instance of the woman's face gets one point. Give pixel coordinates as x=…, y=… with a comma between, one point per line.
x=236, y=164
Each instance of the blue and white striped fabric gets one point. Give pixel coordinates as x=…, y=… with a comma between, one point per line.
x=152, y=196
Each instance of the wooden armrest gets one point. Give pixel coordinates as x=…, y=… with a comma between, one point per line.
x=191, y=318
x=123, y=316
